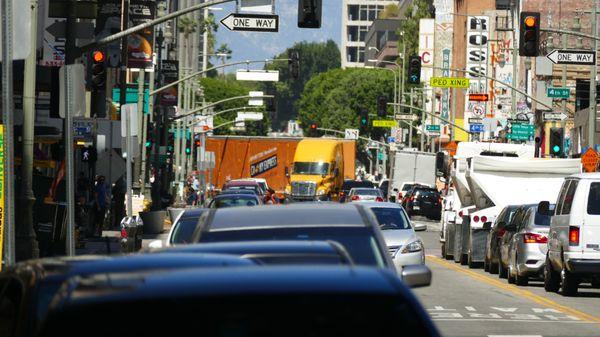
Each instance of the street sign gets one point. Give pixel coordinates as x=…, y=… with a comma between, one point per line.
x=475, y=121
x=554, y=116
x=590, y=160
x=449, y=82
x=84, y=30
x=432, y=128
x=568, y=56
x=351, y=134
x=257, y=75
x=558, y=92
x=391, y=140
x=406, y=117
x=476, y=128
x=250, y=116
x=478, y=110
x=21, y=28
x=521, y=131
x=251, y=22
x=80, y=9
x=77, y=75
x=385, y=124
x=479, y=97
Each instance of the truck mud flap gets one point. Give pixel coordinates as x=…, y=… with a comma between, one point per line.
x=450, y=240
x=477, y=244
x=458, y=236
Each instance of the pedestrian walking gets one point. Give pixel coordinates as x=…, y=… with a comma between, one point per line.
x=100, y=202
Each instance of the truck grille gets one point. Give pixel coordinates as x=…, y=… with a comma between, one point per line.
x=304, y=189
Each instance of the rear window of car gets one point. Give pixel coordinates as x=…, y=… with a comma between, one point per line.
x=358, y=241
x=348, y=185
x=361, y=191
x=593, y=207
x=391, y=218
x=427, y=193
x=184, y=230
x=234, y=201
x=270, y=217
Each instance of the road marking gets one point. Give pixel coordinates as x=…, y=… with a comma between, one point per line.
x=516, y=290
x=515, y=336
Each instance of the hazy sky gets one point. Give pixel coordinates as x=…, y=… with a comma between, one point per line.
x=258, y=46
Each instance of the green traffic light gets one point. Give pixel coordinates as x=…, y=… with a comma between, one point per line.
x=363, y=121
x=188, y=150
x=556, y=149
x=148, y=143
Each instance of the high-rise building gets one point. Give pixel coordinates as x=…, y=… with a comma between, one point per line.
x=357, y=17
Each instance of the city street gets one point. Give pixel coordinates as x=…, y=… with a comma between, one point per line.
x=470, y=302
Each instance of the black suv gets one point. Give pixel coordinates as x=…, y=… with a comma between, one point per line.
x=425, y=201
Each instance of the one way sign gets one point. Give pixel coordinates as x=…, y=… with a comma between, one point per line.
x=251, y=22
x=566, y=56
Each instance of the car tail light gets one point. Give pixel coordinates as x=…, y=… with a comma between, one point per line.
x=355, y=197
x=501, y=233
x=484, y=219
x=379, y=199
x=399, y=195
x=124, y=234
x=573, y=236
x=534, y=238
x=476, y=218
x=412, y=198
x=342, y=194
x=460, y=214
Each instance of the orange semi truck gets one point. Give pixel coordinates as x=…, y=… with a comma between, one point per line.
x=270, y=158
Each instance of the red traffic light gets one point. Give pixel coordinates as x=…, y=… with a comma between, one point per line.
x=313, y=126
x=98, y=56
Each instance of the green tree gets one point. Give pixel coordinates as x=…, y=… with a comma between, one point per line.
x=390, y=11
x=216, y=89
x=224, y=54
x=334, y=99
x=419, y=9
x=315, y=58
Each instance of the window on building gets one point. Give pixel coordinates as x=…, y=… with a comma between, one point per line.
x=364, y=13
x=363, y=30
x=352, y=54
x=353, y=33
x=361, y=54
x=352, y=12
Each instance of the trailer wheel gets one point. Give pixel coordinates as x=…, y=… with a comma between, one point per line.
x=464, y=259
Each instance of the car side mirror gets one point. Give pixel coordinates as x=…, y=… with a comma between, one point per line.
x=487, y=226
x=544, y=208
x=395, y=190
x=156, y=244
x=416, y=276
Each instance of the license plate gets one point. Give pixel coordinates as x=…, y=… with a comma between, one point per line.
x=416, y=207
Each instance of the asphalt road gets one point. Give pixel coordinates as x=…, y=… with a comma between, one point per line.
x=470, y=302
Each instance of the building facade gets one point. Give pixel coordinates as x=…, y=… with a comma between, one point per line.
x=357, y=17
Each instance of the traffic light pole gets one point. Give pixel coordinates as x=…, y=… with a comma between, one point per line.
x=593, y=101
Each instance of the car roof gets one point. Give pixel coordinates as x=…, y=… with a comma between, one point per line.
x=295, y=211
x=381, y=205
x=238, y=191
x=193, y=212
x=234, y=281
x=591, y=175
x=241, y=183
x=256, y=247
x=236, y=195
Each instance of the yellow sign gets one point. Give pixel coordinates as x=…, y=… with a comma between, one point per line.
x=449, y=82
x=385, y=124
x=1, y=190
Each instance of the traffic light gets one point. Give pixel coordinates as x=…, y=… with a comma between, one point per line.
x=188, y=147
x=149, y=136
x=294, y=63
x=309, y=13
x=312, y=129
x=381, y=106
x=556, y=142
x=364, y=118
x=98, y=71
x=529, y=39
x=414, y=69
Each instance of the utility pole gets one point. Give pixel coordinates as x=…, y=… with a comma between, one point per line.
x=144, y=117
x=515, y=54
x=410, y=130
x=7, y=120
x=592, y=115
x=26, y=243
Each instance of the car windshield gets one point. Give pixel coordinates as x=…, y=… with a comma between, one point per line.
x=311, y=168
x=358, y=241
x=593, y=205
x=183, y=230
x=391, y=218
x=236, y=200
x=348, y=185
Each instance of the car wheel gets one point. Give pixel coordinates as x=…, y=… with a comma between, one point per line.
x=551, y=278
x=521, y=280
x=568, y=283
x=502, y=271
x=493, y=268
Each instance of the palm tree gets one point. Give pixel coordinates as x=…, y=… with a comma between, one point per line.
x=224, y=54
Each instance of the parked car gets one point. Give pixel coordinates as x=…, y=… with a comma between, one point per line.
x=181, y=230
x=497, y=230
x=426, y=201
x=350, y=184
x=358, y=194
x=351, y=225
x=244, y=185
x=273, y=252
x=528, y=247
x=574, y=238
x=504, y=245
x=234, y=200
x=406, y=187
x=301, y=301
x=31, y=285
x=404, y=246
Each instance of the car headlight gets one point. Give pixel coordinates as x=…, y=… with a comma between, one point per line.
x=413, y=247
x=321, y=192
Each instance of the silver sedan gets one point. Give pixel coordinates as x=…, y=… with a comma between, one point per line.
x=404, y=246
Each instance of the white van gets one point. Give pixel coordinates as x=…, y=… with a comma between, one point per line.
x=574, y=237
